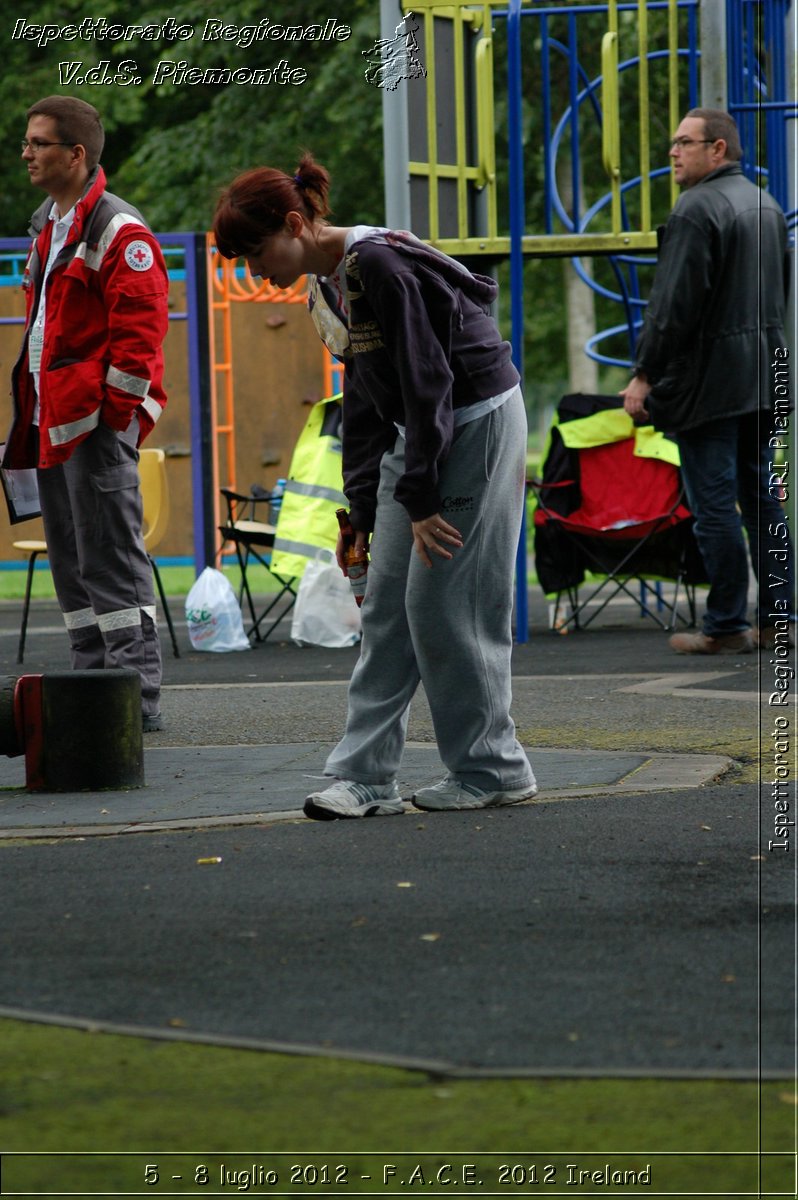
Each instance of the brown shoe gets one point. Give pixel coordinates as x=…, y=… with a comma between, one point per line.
x=768, y=637
x=725, y=643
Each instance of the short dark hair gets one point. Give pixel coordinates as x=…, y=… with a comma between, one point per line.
x=77, y=123
x=720, y=124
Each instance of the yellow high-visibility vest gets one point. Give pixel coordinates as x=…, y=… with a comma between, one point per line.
x=313, y=491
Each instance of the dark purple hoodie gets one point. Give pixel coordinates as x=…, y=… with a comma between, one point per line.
x=422, y=345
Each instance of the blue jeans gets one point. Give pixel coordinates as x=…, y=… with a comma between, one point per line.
x=731, y=486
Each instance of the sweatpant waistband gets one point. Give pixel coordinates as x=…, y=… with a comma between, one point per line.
x=473, y=412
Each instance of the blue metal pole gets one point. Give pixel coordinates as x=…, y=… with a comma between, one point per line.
x=548, y=158
x=516, y=175
x=199, y=401
x=573, y=100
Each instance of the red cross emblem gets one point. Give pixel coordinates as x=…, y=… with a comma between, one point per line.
x=139, y=256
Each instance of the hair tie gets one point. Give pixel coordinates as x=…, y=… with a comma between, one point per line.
x=298, y=181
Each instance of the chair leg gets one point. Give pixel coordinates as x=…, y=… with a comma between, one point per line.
x=164, y=605
x=26, y=606
x=243, y=563
x=286, y=588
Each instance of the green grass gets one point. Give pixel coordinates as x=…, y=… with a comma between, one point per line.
x=71, y=1091
x=176, y=581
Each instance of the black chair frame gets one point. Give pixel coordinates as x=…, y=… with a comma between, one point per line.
x=253, y=539
x=165, y=606
x=42, y=549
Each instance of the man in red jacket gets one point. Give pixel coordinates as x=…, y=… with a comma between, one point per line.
x=87, y=389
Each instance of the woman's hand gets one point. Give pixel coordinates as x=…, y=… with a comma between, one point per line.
x=430, y=533
x=361, y=543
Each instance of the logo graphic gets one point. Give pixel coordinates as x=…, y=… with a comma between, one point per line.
x=139, y=256
x=393, y=59
x=457, y=504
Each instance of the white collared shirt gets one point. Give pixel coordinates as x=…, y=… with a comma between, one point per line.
x=61, y=228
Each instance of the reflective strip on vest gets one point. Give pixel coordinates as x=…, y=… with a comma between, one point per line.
x=303, y=549
x=61, y=434
x=315, y=489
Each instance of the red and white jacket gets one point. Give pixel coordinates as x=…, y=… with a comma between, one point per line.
x=107, y=316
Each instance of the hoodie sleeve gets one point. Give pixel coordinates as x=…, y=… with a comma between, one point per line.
x=418, y=348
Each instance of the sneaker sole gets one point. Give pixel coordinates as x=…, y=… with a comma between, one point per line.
x=320, y=812
x=496, y=800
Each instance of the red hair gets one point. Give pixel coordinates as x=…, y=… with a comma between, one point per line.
x=257, y=203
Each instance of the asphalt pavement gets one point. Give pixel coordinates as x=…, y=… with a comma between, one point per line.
x=636, y=918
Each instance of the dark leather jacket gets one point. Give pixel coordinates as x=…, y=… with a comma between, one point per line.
x=715, y=316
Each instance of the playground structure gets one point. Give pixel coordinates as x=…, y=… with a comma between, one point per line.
x=600, y=86
x=589, y=80
x=232, y=415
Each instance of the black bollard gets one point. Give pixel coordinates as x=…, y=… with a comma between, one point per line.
x=81, y=730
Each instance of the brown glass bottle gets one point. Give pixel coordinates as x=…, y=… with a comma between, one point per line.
x=357, y=561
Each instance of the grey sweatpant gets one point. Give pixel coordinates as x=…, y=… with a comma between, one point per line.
x=449, y=626
x=92, y=514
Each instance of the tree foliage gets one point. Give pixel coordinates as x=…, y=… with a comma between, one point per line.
x=171, y=146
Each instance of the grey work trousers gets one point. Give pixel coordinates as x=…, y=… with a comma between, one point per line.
x=92, y=514
x=448, y=626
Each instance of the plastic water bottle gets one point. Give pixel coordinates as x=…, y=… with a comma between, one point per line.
x=276, y=500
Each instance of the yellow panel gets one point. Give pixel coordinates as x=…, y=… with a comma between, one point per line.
x=481, y=174
x=553, y=245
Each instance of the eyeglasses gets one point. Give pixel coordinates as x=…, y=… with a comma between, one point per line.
x=36, y=144
x=681, y=142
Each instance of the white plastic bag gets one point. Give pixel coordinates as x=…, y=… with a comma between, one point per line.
x=213, y=614
x=325, y=613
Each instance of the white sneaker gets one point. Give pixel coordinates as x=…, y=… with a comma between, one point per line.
x=450, y=793
x=346, y=798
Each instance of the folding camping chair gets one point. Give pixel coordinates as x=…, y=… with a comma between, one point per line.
x=611, y=503
x=254, y=539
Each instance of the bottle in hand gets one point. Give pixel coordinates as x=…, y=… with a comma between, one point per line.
x=357, y=560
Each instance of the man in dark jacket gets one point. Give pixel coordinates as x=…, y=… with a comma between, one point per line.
x=711, y=365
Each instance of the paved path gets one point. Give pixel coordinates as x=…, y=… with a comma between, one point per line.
x=627, y=921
